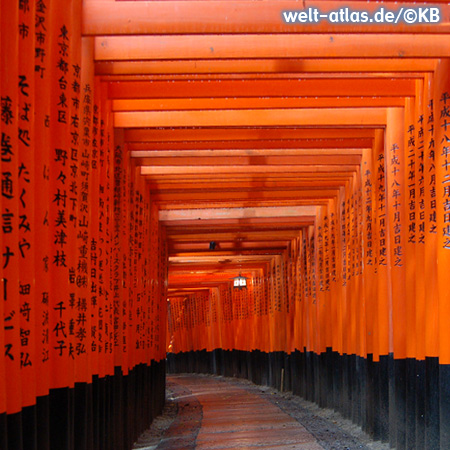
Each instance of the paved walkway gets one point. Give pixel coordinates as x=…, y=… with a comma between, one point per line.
x=214, y=413
x=234, y=418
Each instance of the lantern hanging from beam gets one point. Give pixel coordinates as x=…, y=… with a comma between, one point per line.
x=240, y=282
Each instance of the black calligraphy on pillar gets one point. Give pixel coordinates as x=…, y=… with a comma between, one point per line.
x=26, y=222
x=420, y=183
x=411, y=180
x=313, y=269
x=444, y=123
x=396, y=197
x=344, y=243
x=320, y=254
x=333, y=271
x=116, y=238
x=40, y=38
x=368, y=214
x=326, y=245
x=381, y=184
x=350, y=212
x=432, y=169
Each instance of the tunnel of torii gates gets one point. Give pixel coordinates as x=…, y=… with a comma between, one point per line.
x=315, y=157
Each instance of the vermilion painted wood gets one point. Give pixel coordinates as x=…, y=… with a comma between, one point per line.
x=10, y=387
x=240, y=203
x=264, y=66
x=172, y=134
x=299, y=152
x=216, y=46
x=357, y=117
x=245, y=184
x=298, y=87
x=289, y=178
x=228, y=265
x=232, y=169
x=28, y=324
x=252, y=160
x=204, y=142
x=224, y=236
x=252, y=146
x=441, y=94
x=431, y=250
x=252, y=103
x=248, y=214
x=181, y=17
x=261, y=76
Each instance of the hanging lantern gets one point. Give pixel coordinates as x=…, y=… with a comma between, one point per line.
x=240, y=282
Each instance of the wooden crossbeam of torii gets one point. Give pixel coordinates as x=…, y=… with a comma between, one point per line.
x=102, y=17
x=189, y=104
x=123, y=48
x=241, y=136
x=296, y=87
x=268, y=67
x=370, y=117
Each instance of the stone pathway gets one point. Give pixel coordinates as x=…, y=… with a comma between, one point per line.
x=214, y=413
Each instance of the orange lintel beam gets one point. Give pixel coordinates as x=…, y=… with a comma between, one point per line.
x=254, y=182
x=339, y=144
x=281, y=177
x=181, y=17
x=371, y=117
x=244, y=252
x=263, y=145
x=260, y=66
x=193, y=227
x=205, y=89
x=193, y=286
x=181, y=270
x=177, y=293
x=264, y=76
x=291, y=160
x=245, y=229
x=249, y=152
x=272, y=46
x=255, y=224
x=252, y=190
x=179, y=274
x=242, y=203
x=200, y=263
x=260, y=182
x=222, y=278
x=222, y=271
x=204, y=246
x=184, y=262
x=218, y=276
x=177, y=278
x=243, y=134
x=227, y=236
x=243, y=184
x=254, y=103
x=228, y=195
x=163, y=182
x=231, y=169
x=226, y=241
x=236, y=213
